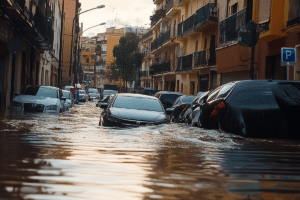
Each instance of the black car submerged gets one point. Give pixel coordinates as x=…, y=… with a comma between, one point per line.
x=132, y=109
x=255, y=108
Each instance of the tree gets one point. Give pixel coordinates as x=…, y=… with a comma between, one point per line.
x=128, y=57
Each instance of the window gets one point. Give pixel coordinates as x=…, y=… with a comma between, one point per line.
x=181, y=87
x=196, y=46
x=205, y=43
x=234, y=8
x=87, y=60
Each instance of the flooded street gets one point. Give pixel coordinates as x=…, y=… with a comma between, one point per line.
x=71, y=157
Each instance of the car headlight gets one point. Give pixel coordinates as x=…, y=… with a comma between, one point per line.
x=15, y=104
x=52, y=107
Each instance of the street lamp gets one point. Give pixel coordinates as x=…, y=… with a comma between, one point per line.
x=71, y=53
x=75, y=67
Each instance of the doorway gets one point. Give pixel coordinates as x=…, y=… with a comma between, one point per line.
x=203, y=83
x=273, y=68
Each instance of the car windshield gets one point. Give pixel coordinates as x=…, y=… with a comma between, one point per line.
x=93, y=91
x=138, y=103
x=188, y=99
x=68, y=88
x=41, y=91
x=107, y=92
x=81, y=92
x=66, y=94
x=169, y=98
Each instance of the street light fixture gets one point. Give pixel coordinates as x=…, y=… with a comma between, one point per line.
x=71, y=54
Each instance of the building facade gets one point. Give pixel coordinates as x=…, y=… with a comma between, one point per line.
x=26, y=31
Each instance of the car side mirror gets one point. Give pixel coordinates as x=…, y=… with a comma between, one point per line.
x=169, y=111
x=103, y=105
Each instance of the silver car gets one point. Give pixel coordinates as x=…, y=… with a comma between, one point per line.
x=83, y=96
x=69, y=99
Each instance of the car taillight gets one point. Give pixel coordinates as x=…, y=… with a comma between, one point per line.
x=218, y=109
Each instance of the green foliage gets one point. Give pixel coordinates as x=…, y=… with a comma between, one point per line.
x=115, y=74
x=128, y=57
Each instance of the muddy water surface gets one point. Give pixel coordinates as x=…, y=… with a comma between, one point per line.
x=70, y=157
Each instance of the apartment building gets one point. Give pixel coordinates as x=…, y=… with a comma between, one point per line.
x=145, y=47
x=71, y=8
x=88, y=59
x=48, y=72
x=109, y=39
x=197, y=33
x=26, y=31
x=279, y=26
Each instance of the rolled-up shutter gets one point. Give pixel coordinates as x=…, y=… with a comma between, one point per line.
x=235, y=76
x=264, y=11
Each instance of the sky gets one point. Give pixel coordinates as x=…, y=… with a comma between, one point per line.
x=117, y=13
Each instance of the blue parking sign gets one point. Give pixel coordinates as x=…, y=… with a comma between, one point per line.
x=288, y=56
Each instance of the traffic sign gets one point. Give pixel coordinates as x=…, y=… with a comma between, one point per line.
x=288, y=56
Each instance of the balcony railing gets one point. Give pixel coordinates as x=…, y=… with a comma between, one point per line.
x=200, y=58
x=157, y=16
x=41, y=33
x=144, y=73
x=147, y=35
x=163, y=38
x=160, y=68
x=187, y=62
x=194, y=60
x=170, y=5
x=228, y=28
x=202, y=15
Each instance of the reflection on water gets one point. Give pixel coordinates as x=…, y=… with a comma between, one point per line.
x=70, y=157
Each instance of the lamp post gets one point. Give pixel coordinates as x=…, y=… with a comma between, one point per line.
x=75, y=66
x=71, y=53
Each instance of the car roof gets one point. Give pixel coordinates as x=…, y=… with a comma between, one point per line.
x=136, y=95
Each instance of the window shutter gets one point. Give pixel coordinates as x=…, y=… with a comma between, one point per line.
x=264, y=11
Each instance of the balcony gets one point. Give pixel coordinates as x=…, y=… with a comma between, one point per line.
x=196, y=22
x=229, y=28
x=147, y=35
x=200, y=58
x=185, y=63
x=162, y=39
x=144, y=74
x=157, y=1
x=195, y=60
x=160, y=68
x=157, y=16
x=35, y=28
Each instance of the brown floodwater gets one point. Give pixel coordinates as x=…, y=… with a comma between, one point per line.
x=68, y=156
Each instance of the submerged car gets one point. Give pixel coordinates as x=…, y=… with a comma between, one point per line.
x=128, y=109
x=93, y=94
x=191, y=113
x=178, y=106
x=69, y=99
x=43, y=99
x=255, y=108
x=167, y=98
x=104, y=100
x=105, y=93
x=83, y=96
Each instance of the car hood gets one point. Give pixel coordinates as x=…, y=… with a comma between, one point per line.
x=35, y=99
x=138, y=115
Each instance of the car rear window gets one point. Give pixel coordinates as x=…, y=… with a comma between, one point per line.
x=256, y=94
x=169, y=98
x=290, y=90
x=138, y=103
x=188, y=99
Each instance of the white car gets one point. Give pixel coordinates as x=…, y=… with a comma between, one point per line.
x=83, y=96
x=93, y=93
x=43, y=99
x=69, y=99
x=68, y=88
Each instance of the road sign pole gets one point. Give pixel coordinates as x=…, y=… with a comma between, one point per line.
x=252, y=62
